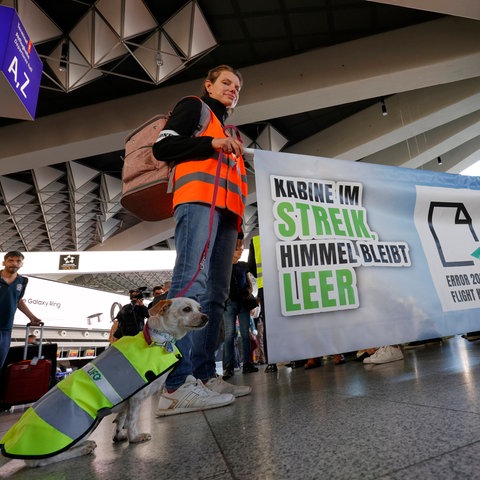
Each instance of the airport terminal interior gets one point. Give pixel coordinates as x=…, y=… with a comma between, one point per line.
x=385, y=82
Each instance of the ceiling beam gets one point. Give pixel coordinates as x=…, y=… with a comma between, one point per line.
x=367, y=134
x=459, y=8
x=428, y=54
x=139, y=237
x=418, y=150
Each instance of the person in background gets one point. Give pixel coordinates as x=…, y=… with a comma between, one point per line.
x=32, y=339
x=131, y=318
x=160, y=295
x=166, y=288
x=236, y=307
x=194, y=385
x=253, y=342
x=256, y=316
x=256, y=269
x=12, y=289
x=157, y=291
x=385, y=354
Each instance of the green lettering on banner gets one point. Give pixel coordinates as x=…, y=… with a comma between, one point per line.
x=337, y=223
x=346, y=287
x=290, y=305
x=307, y=290
x=322, y=226
x=304, y=208
x=302, y=220
x=358, y=219
x=348, y=226
x=319, y=290
x=286, y=229
x=326, y=287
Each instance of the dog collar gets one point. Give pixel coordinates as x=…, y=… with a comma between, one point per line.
x=156, y=337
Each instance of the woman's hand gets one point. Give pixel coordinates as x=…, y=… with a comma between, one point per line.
x=228, y=145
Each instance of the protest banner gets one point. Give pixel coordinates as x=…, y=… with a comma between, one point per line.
x=357, y=255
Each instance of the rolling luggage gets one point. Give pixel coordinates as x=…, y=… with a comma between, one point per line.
x=27, y=380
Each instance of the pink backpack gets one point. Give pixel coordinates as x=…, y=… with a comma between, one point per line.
x=146, y=181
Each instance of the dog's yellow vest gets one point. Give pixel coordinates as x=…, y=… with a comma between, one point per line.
x=75, y=406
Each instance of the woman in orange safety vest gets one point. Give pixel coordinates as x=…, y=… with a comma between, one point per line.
x=195, y=153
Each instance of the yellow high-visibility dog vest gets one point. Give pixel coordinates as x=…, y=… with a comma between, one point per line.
x=76, y=405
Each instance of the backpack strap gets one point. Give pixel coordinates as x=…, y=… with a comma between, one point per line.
x=205, y=115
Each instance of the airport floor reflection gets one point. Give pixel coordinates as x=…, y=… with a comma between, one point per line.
x=413, y=419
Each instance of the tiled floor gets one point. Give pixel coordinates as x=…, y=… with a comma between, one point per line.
x=414, y=419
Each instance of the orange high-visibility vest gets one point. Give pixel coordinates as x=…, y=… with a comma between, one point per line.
x=194, y=180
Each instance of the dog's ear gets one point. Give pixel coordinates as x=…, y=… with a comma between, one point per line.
x=160, y=308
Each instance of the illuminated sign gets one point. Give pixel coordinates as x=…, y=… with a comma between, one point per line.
x=69, y=262
x=20, y=68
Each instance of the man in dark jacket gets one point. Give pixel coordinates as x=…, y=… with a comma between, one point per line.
x=131, y=318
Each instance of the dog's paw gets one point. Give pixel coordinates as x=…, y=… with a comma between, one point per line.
x=141, y=437
x=88, y=447
x=120, y=436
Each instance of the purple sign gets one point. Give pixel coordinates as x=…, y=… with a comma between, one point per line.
x=20, y=68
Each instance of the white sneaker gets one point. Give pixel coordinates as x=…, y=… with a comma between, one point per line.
x=385, y=355
x=217, y=384
x=192, y=396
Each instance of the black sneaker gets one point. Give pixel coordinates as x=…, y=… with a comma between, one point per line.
x=271, y=368
x=228, y=373
x=249, y=368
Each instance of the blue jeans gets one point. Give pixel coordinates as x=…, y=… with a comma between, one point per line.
x=5, y=339
x=233, y=310
x=210, y=288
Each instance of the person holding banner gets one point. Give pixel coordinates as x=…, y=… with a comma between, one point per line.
x=201, y=221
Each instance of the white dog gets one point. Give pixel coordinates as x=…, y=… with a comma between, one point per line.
x=175, y=317
x=168, y=319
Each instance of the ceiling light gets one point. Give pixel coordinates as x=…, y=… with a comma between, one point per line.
x=63, y=56
x=384, y=107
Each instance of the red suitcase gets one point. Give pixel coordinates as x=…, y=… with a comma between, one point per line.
x=28, y=380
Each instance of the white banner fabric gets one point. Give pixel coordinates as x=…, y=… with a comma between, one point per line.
x=358, y=255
